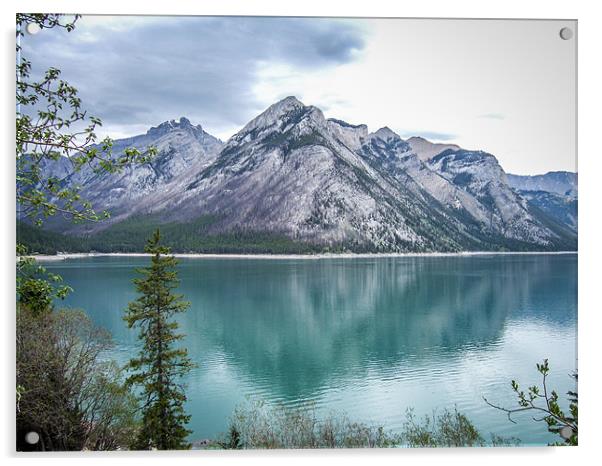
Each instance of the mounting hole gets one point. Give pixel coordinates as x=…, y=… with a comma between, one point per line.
x=32, y=438
x=566, y=432
x=32, y=28
x=566, y=33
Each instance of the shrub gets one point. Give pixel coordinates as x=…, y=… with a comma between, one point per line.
x=258, y=425
x=448, y=429
x=66, y=391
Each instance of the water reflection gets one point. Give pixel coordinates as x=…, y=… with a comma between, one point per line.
x=301, y=323
x=351, y=333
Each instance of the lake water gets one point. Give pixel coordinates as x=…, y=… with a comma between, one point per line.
x=368, y=336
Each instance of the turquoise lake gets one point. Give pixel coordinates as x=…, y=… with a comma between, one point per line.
x=367, y=336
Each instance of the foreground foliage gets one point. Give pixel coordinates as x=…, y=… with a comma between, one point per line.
x=52, y=126
x=447, y=429
x=256, y=425
x=36, y=287
x=544, y=402
x=160, y=365
x=66, y=392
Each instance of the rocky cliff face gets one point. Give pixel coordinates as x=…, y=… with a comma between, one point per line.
x=181, y=149
x=292, y=172
x=554, y=193
x=480, y=174
x=426, y=150
x=561, y=183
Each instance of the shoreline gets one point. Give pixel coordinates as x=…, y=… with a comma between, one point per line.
x=87, y=255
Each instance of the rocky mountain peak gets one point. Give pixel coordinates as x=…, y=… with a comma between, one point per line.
x=171, y=125
x=275, y=117
x=287, y=103
x=385, y=133
x=279, y=110
x=385, y=143
x=288, y=118
x=426, y=149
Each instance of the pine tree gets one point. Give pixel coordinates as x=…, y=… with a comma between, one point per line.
x=160, y=364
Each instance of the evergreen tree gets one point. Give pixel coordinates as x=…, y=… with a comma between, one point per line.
x=160, y=364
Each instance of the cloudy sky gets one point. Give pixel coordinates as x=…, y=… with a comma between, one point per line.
x=506, y=87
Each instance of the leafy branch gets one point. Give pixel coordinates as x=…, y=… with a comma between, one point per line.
x=47, y=110
x=545, y=402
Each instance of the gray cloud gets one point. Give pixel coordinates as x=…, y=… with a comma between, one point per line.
x=200, y=67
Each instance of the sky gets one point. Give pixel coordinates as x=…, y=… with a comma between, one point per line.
x=505, y=87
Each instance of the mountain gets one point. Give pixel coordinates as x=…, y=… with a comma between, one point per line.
x=426, y=150
x=561, y=208
x=182, y=149
x=555, y=193
x=292, y=172
x=562, y=183
x=294, y=179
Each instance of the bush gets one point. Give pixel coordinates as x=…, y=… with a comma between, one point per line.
x=66, y=392
x=257, y=425
x=449, y=429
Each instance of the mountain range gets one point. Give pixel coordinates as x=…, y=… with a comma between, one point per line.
x=292, y=180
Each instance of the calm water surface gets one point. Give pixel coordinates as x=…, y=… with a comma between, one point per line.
x=368, y=336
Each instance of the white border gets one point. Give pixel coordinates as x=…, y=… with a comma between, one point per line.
x=590, y=180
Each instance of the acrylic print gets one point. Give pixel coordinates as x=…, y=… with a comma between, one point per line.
x=272, y=232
